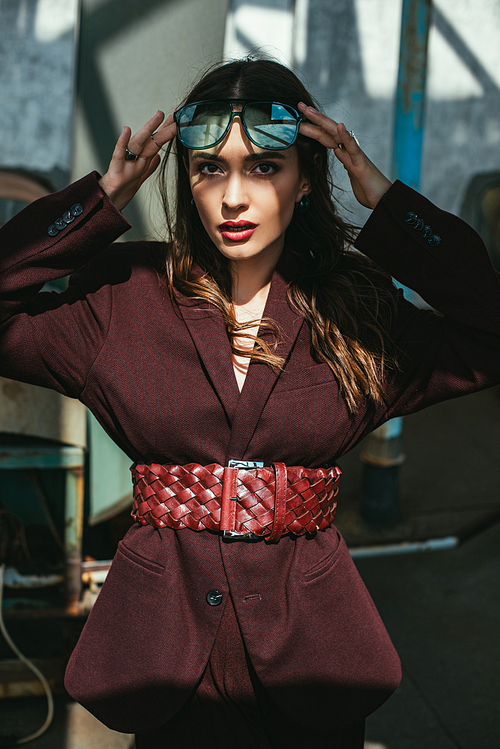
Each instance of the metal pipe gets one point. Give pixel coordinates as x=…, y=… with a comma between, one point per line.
x=73, y=536
x=410, y=94
x=382, y=454
x=406, y=547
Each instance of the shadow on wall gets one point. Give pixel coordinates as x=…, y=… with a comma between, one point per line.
x=100, y=24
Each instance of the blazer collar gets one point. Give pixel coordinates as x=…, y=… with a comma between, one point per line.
x=207, y=330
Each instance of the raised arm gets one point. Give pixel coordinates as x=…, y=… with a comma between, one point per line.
x=454, y=350
x=52, y=339
x=445, y=353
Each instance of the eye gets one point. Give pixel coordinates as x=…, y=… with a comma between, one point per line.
x=208, y=168
x=266, y=167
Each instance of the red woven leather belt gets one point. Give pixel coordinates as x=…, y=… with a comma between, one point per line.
x=240, y=502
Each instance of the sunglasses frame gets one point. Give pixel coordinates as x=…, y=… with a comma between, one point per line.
x=241, y=114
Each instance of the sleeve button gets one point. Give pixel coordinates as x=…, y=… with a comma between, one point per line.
x=419, y=224
x=67, y=217
x=426, y=231
x=434, y=240
x=60, y=224
x=214, y=597
x=52, y=231
x=410, y=218
x=76, y=209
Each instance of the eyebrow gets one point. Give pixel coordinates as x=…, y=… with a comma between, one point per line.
x=250, y=157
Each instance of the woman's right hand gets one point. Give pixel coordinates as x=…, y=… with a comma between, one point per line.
x=124, y=178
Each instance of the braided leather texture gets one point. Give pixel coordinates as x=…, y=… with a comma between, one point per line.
x=191, y=496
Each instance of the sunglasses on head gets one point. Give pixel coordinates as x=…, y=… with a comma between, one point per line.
x=268, y=124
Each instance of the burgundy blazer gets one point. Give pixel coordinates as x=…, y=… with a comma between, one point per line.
x=159, y=378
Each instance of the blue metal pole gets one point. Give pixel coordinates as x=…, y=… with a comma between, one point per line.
x=382, y=454
x=410, y=95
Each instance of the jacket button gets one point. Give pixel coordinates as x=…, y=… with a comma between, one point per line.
x=426, y=231
x=214, y=597
x=76, y=209
x=52, y=231
x=410, y=218
x=434, y=240
x=60, y=224
x=67, y=217
x=419, y=224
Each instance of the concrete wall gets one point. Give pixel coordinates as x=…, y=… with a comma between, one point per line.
x=37, y=81
x=137, y=56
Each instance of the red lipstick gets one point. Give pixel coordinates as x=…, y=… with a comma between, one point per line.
x=237, y=231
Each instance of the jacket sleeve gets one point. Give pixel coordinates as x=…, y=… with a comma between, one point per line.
x=46, y=338
x=454, y=350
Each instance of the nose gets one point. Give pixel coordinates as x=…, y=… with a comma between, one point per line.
x=235, y=196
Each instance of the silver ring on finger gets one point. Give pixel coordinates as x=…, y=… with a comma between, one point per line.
x=129, y=156
x=351, y=133
x=152, y=138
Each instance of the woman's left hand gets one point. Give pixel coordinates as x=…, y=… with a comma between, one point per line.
x=367, y=182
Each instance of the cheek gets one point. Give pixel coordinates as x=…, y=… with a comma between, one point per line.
x=207, y=205
x=284, y=205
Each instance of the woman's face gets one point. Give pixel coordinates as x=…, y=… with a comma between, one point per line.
x=245, y=195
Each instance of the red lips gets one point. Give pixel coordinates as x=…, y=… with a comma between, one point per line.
x=237, y=231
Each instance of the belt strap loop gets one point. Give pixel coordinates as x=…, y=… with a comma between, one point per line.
x=279, y=503
x=228, y=499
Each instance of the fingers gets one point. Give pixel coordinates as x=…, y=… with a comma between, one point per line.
x=135, y=158
x=141, y=143
x=169, y=122
x=320, y=127
x=327, y=131
x=348, y=141
x=121, y=144
x=148, y=141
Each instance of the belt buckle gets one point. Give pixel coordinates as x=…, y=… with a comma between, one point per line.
x=245, y=464
x=235, y=535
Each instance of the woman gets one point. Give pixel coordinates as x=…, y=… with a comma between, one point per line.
x=232, y=614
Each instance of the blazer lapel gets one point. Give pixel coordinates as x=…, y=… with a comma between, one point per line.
x=209, y=336
x=208, y=332
x=261, y=379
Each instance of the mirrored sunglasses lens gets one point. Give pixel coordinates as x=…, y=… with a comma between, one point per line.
x=271, y=125
x=202, y=125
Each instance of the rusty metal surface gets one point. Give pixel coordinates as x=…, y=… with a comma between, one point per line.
x=411, y=91
x=36, y=455
x=73, y=536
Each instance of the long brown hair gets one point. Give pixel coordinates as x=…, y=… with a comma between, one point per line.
x=348, y=303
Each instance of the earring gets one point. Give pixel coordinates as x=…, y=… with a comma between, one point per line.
x=192, y=201
x=303, y=203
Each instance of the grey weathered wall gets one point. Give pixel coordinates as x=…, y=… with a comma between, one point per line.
x=37, y=81
x=137, y=56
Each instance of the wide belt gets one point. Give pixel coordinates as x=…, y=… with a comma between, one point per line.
x=242, y=502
